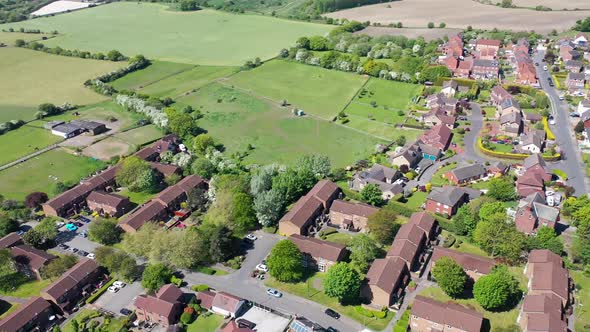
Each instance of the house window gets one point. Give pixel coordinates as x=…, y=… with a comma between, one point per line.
x=322, y=267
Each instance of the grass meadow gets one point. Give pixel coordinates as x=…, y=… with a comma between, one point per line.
x=9, y=38
x=29, y=78
x=25, y=140
x=204, y=37
x=317, y=91
x=277, y=136
x=42, y=172
x=153, y=73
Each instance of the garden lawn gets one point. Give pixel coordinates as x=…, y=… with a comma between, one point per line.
x=42, y=172
x=387, y=94
x=201, y=37
x=115, y=325
x=489, y=112
x=340, y=238
x=380, y=129
x=389, y=116
x=205, y=323
x=29, y=78
x=416, y=200
x=307, y=290
x=437, y=179
x=276, y=135
x=315, y=90
x=6, y=308
x=140, y=136
x=497, y=319
x=23, y=141
x=582, y=314
x=137, y=197
x=32, y=288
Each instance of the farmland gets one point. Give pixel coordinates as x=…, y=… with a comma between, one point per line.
x=553, y=4
x=277, y=136
x=320, y=92
x=20, y=68
x=23, y=141
x=205, y=37
x=42, y=172
x=417, y=13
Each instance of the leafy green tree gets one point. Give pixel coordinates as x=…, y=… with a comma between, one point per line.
x=502, y=189
x=363, y=250
x=8, y=271
x=105, y=231
x=500, y=238
x=450, y=276
x=189, y=5
x=115, y=55
x=202, y=142
x=318, y=165
x=491, y=210
x=221, y=243
x=546, y=238
x=302, y=42
x=7, y=225
x=136, y=174
x=498, y=290
x=583, y=25
x=57, y=267
x=382, y=226
x=372, y=194
x=432, y=74
x=342, y=282
x=318, y=43
x=33, y=238
x=203, y=168
x=292, y=183
x=182, y=124
x=155, y=276
x=464, y=221
x=269, y=207
x=430, y=25
x=506, y=4
x=19, y=43
x=285, y=262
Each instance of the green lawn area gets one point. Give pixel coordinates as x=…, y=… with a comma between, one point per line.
x=306, y=289
x=416, y=200
x=497, y=319
x=205, y=324
x=25, y=140
x=582, y=313
x=115, y=325
x=315, y=90
x=437, y=179
x=387, y=94
x=42, y=172
x=137, y=197
x=489, y=112
x=276, y=135
x=29, y=78
x=141, y=135
x=205, y=37
x=341, y=238
x=31, y=288
x=380, y=114
x=506, y=148
x=156, y=71
x=380, y=129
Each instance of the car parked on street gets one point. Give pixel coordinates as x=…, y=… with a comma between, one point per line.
x=274, y=292
x=63, y=246
x=262, y=267
x=119, y=284
x=82, y=253
x=332, y=313
x=125, y=312
x=113, y=289
x=251, y=237
x=91, y=256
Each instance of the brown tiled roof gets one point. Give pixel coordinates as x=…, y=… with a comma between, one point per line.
x=144, y=214
x=544, y=256
x=10, y=240
x=104, y=198
x=24, y=314
x=183, y=186
x=147, y=153
x=155, y=305
x=545, y=322
x=71, y=278
x=469, y=262
x=191, y=182
x=354, y=209
x=551, y=277
x=302, y=211
x=423, y=220
x=232, y=326
x=489, y=42
x=542, y=303
x=226, y=301
x=205, y=299
x=385, y=273
x=403, y=249
x=450, y=313
x=34, y=257
x=411, y=232
x=165, y=169
x=323, y=190
x=318, y=248
x=169, y=293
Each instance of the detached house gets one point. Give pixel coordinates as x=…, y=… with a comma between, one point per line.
x=439, y=137
x=409, y=156
x=448, y=199
x=449, y=88
x=438, y=116
x=319, y=254
x=534, y=141
x=351, y=216
x=511, y=124
x=574, y=66
x=429, y=315
x=384, y=177
x=533, y=213
x=499, y=94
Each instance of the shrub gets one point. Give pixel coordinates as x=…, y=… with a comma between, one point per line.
x=186, y=318
x=99, y=292
x=449, y=241
x=200, y=288
x=364, y=312
x=206, y=270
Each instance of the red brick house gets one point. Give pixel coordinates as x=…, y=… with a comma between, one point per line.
x=429, y=315
x=448, y=199
x=438, y=136
x=385, y=282
x=466, y=174
x=533, y=213
x=164, y=308
x=36, y=314
x=351, y=216
x=108, y=203
x=319, y=254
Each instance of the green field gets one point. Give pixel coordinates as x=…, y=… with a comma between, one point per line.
x=317, y=91
x=156, y=71
x=25, y=140
x=102, y=111
x=380, y=129
x=29, y=78
x=387, y=94
x=202, y=37
x=9, y=38
x=28, y=289
x=141, y=135
x=276, y=135
x=42, y=172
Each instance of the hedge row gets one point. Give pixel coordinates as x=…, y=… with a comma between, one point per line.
x=514, y=156
x=99, y=292
x=550, y=135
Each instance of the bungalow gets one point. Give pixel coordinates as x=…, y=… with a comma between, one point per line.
x=108, y=203
x=386, y=281
x=534, y=141
x=575, y=81
x=532, y=117
x=448, y=199
x=529, y=183
x=465, y=174
x=164, y=308
x=574, y=66
x=73, y=285
x=304, y=214
x=319, y=254
x=449, y=88
x=429, y=315
x=547, y=275
x=475, y=266
x=542, y=313
x=351, y=216
x=533, y=213
x=485, y=69
x=227, y=305
x=36, y=314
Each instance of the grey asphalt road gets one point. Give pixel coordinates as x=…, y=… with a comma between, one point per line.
x=565, y=137
x=241, y=284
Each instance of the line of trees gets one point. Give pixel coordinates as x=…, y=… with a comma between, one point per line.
x=112, y=55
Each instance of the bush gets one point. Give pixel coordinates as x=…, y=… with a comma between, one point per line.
x=186, y=318
x=449, y=241
x=200, y=288
x=176, y=281
x=99, y=292
x=364, y=312
x=206, y=270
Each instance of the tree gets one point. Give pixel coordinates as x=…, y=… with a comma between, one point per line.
x=464, y=221
x=450, y=276
x=506, y=4
x=363, y=250
x=7, y=225
x=342, y=282
x=35, y=199
x=500, y=238
x=202, y=142
x=8, y=271
x=302, y=42
x=579, y=128
x=269, y=207
x=189, y=5
x=372, y=194
x=284, y=262
x=382, y=226
x=118, y=262
x=47, y=229
x=155, y=276
x=318, y=43
x=491, y=210
x=182, y=124
x=583, y=25
x=75, y=325
x=19, y=43
x=58, y=266
x=400, y=140
x=48, y=109
x=431, y=74
x=221, y=243
x=430, y=25
x=498, y=290
x=105, y=231
x=318, y=165
x=261, y=181
x=136, y=174
x=115, y=55
x=546, y=238
x=293, y=183
x=203, y=168
x=33, y=238
x=501, y=189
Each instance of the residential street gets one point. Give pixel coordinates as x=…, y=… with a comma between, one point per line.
x=572, y=163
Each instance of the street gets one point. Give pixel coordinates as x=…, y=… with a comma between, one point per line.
x=571, y=162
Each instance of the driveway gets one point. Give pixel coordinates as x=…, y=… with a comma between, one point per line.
x=73, y=239
x=565, y=137
x=124, y=298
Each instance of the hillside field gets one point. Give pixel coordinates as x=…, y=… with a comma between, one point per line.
x=205, y=37
x=275, y=133
x=29, y=78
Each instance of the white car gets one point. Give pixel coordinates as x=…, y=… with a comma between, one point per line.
x=91, y=256
x=550, y=201
x=274, y=292
x=119, y=284
x=60, y=224
x=113, y=289
x=551, y=121
x=549, y=193
x=262, y=267
x=251, y=237
x=545, y=68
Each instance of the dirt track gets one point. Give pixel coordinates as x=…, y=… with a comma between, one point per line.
x=460, y=14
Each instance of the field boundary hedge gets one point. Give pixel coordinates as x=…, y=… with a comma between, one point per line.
x=513, y=156
x=99, y=292
x=550, y=134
